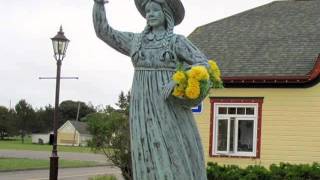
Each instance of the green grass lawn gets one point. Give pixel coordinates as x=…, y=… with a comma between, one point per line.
x=11, y=164
x=17, y=145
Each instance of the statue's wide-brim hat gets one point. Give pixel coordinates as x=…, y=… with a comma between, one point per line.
x=176, y=7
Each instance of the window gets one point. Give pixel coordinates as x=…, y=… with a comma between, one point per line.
x=235, y=127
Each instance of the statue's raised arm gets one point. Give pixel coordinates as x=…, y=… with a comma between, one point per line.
x=121, y=41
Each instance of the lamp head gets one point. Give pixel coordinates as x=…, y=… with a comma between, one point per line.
x=60, y=44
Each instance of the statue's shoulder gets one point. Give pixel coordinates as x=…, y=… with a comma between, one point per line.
x=180, y=36
x=181, y=39
x=136, y=36
x=136, y=39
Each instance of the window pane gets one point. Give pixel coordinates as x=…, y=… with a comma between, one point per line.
x=231, y=110
x=222, y=110
x=250, y=111
x=245, y=136
x=241, y=110
x=55, y=46
x=61, y=46
x=232, y=120
x=222, y=134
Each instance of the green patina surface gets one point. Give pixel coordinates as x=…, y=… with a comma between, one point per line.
x=165, y=142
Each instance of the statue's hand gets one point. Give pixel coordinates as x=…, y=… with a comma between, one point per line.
x=168, y=89
x=101, y=1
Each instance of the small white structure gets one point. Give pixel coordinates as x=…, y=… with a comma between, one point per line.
x=40, y=138
x=73, y=133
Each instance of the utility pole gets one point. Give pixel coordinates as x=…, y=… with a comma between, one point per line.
x=77, y=119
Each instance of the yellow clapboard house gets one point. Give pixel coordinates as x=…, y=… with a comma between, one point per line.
x=73, y=133
x=269, y=110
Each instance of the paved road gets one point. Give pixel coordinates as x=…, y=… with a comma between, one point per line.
x=64, y=174
x=100, y=158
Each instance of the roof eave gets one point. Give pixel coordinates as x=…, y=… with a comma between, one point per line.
x=275, y=81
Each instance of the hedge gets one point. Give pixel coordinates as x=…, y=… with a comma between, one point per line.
x=283, y=171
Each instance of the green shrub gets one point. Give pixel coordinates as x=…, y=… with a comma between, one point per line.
x=283, y=171
x=256, y=172
x=229, y=172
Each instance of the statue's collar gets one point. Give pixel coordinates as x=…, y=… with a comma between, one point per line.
x=155, y=36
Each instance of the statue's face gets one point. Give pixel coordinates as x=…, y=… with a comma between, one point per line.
x=154, y=15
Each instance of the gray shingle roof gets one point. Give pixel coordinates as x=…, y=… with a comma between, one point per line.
x=281, y=38
x=81, y=127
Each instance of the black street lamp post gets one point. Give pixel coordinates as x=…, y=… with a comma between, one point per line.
x=60, y=44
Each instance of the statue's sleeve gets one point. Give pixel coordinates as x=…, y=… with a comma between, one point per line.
x=121, y=41
x=189, y=53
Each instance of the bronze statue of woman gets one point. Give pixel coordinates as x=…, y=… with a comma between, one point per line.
x=165, y=143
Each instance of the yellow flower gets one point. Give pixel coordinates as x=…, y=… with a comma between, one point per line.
x=217, y=78
x=193, y=89
x=192, y=92
x=214, y=68
x=199, y=73
x=178, y=91
x=193, y=82
x=213, y=64
x=179, y=77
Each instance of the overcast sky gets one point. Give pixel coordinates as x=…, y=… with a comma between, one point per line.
x=26, y=53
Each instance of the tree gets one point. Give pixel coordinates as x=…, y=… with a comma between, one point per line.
x=25, y=117
x=4, y=125
x=69, y=109
x=110, y=131
x=44, y=118
x=7, y=122
x=123, y=102
x=12, y=120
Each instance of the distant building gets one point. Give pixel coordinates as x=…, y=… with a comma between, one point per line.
x=42, y=138
x=73, y=133
x=269, y=110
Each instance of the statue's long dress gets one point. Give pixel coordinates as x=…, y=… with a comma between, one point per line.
x=165, y=139
x=165, y=143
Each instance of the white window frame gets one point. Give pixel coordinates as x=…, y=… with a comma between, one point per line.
x=238, y=118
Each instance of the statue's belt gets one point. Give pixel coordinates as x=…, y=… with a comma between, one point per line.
x=153, y=69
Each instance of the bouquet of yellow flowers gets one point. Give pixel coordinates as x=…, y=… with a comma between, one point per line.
x=197, y=81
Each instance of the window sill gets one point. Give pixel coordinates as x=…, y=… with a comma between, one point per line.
x=233, y=156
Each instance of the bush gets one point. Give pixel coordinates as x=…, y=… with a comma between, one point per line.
x=283, y=171
x=256, y=173
x=286, y=171
x=110, y=134
x=229, y=172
